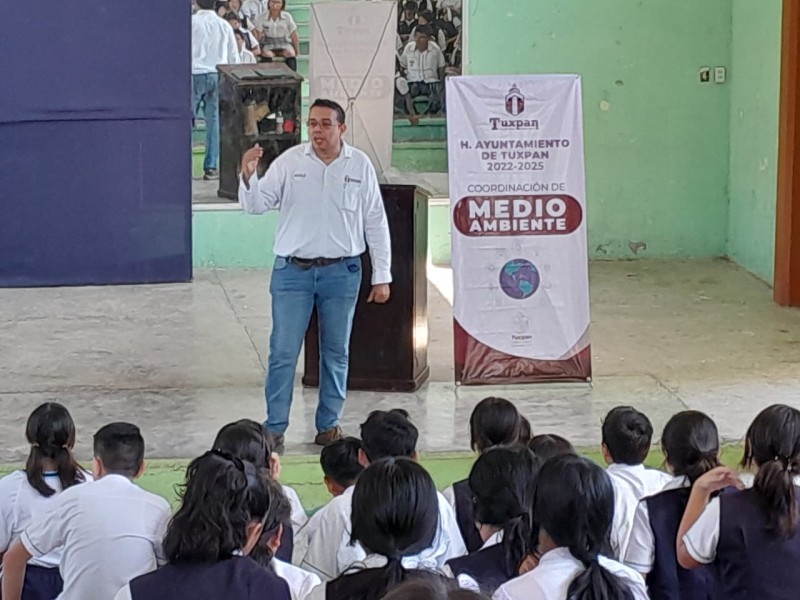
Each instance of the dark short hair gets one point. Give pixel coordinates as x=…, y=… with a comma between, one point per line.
x=425, y=30
x=246, y=440
x=339, y=461
x=120, y=446
x=207, y=4
x=388, y=433
x=627, y=433
x=335, y=106
x=410, y=6
x=432, y=589
x=279, y=515
x=493, y=422
x=232, y=16
x=548, y=445
x=428, y=16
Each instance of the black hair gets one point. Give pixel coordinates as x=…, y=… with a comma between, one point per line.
x=388, y=433
x=690, y=443
x=247, y=440
x=283, y=4
x=574, y=505
x=502, y=482
x=627, y=433
x=279, y=515
x=428, y=16
x=51, y=433
x=432, y=589
x=493, y=422
x=410, y=6
x=425, y=29
x=335, y=106
x=207, y=4
x=339, y=461
x=772, y=442
x=221, y=496
x=232, y=16
x=395, y=514
x=548, y=445
x=525, y=431
x=120, y=446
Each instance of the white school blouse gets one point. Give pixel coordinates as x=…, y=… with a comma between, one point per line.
x=556, y=570
x=300, y=581
x=19, y=501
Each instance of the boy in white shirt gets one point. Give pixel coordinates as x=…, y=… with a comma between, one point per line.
x=330, y=553
x=627, y=436
x=110, y=529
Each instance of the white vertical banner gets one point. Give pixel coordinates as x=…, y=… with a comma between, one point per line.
x=352, y=61
x=518, y=200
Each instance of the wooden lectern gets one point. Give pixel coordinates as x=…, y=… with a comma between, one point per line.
x=389, y=345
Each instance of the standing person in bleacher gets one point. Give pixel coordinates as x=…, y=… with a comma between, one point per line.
x=213, y=44
x=109, y=530
x=422, y=67
x=384, y=434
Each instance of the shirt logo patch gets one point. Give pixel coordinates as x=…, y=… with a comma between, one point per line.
x=298, y=176
x=348, y=179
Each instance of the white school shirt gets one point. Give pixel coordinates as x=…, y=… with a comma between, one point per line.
x=213, y=43
x=111, y=531
x=276, y=30
x=330, y=554
x=422, y=66
x=19, y=502
x=450, y=495
x=299, y=515
x=325, y=211
x=631, y=484
x=246, y=57
x=300, y=581
x=252, y=9
x=552, y=578
x=641, y=551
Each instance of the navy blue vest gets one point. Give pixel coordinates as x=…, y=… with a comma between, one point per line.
x=465, y=516
x=371, y=584
x=238, y=578
x=668, y=580
x=487, y=567
x=286, y=549
x=752, y=562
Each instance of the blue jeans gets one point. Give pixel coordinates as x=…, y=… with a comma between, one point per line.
x=295, y=292
x=205, y=91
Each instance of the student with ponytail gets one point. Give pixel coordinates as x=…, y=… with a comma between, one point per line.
x=224, y=504
x=502, y=484
x=573, y=507
x=50, y=468
x=751, y=536
x=395, y=517
x=690, y=444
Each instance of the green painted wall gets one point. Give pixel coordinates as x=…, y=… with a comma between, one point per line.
x=754, y=85
x=231, y=238
x=657, y=155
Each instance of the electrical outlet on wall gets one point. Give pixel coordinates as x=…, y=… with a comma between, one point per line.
x=720, y=75
x=705, y=74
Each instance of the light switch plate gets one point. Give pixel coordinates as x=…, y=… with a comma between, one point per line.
x=720, y=75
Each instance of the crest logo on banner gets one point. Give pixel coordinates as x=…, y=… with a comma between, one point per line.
x=518, y=210
x=515, y=101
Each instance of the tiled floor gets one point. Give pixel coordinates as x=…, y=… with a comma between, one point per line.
x=181, y=360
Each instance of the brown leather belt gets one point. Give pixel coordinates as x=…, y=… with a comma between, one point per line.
x=308, y=263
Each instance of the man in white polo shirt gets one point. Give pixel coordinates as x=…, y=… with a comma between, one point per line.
x=330, y=208
x=213, y=43
x=110, y=529
x=422, y=67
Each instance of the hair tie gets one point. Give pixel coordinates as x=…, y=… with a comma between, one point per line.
x=36, y=445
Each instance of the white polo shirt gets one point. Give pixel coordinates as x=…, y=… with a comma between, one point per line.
x=299, y=516
x=325, y=211
x=300, y=581
x=330, y=554
x=19, y=501
x=422, y=66
x=213, y=43
x=278, y=30
x=556, y=571
x=631, y=484
x=111, y=531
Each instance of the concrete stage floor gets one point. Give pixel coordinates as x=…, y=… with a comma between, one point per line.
x=181, y=360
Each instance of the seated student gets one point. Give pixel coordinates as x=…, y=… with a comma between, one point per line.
x=247, y=440
x=427, y=19
x=245, y=56
x=502, y=482
x=395, y=518
x=223, y=507
x=340, y=464
x=493, y=422
x=408, y=21
x=572, y=510
x=752, y=536
x=50, y=469
x=384, y=434
x=250, y=41
x=627, y=435
x=690, y=443
x=548, y=445
x=300, y=582
x=109, y=530
x=432, y=589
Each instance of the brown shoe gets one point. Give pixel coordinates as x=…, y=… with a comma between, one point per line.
x=326, y=438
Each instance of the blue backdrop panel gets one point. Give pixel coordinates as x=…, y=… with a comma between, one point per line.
x=95, y=138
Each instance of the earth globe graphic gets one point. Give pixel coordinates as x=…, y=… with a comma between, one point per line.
x=519, y=278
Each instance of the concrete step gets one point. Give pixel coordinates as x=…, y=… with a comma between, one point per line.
x=433, y=129
x=428, y=157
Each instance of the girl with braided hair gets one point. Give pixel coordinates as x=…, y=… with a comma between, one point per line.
x=573, y=507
